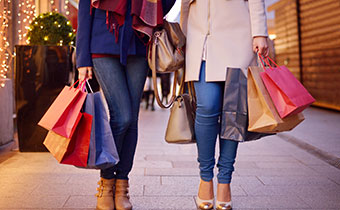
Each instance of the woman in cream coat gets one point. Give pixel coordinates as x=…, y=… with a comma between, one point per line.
x=220, y=34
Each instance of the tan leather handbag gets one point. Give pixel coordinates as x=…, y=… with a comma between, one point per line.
x=166, y=55
x=181, y=124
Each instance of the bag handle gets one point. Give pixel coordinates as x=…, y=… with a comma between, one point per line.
x=191, y=88
x=266, y=61
x=272, y=61
x=80, y=86
x=154, y=79
x=88, y=84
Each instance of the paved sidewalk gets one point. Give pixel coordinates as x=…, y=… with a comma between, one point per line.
x=271, y=174
x=321, y=129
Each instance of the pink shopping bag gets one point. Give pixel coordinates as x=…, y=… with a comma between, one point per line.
x=64, y=113
x=288, y=94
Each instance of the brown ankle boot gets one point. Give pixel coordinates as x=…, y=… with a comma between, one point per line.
x=105, y=200
x=122, y=197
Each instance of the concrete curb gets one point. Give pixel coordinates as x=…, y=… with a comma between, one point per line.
x=325, y=156
x=7, y=147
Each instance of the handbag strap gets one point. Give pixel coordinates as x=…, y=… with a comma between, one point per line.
x=154, y=79
x=191, y=88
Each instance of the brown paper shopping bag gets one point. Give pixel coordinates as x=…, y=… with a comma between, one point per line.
x=57, y=145
x=74, y=150
x=263, y=116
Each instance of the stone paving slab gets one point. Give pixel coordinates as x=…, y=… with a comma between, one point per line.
x=276, y=172
x=78, y=201
x=9, y=190
x=273, y=201
x=33, y=202
x=172, y=172
x=321, y=202
x=36, y=178
x=289, y=190
x=172, y=158
x=266, y=158
x=166, y=203
x=194, y=181
x=296, y=181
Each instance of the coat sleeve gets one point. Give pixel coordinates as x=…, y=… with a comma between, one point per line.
x=83, y=42
x=167, y=5
x=258, y=18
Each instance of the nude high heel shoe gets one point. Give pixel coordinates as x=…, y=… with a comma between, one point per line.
x=205, y=204
x=223, y=205
x=225, y=191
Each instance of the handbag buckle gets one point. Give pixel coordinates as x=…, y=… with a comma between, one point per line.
x=157, y=35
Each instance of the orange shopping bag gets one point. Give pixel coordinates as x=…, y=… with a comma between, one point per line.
x=74, y=150
x=64, y=113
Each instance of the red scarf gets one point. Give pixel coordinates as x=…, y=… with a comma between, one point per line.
x=146, y=14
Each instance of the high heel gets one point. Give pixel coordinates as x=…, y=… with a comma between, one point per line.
x=204, y=204
x=223, y=205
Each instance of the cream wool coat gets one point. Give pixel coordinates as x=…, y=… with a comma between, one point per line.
x=228, y=27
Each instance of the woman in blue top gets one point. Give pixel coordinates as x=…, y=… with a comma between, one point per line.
x=111, y=39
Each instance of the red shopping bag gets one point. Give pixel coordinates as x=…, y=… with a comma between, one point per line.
x=64, y=113
x=288, y=94
x=78, y=149
x=74, y=150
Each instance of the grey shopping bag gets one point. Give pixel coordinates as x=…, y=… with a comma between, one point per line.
x=103, y=152
x=234, y=120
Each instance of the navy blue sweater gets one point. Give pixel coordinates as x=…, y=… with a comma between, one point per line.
x=93, y=36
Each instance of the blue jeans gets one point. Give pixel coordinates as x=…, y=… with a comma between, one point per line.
x=123, y=88
x=207, y=127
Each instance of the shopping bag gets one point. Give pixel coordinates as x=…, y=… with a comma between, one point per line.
x=72, y=150
x=64, y=113
x=56, y=144
x=263, y=116
x=102, y=151
x=288, y=94
x=78, y=149
x=234, y=120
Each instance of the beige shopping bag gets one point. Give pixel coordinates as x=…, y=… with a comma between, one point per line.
x=57, y=145
x=263, y=116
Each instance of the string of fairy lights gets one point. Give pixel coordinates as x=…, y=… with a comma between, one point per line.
x=66, y=6
x=26, y=11
x=5, y=18
x=25, y=15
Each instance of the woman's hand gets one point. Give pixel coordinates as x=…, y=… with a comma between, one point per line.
x=260, y=45
x=84, y=73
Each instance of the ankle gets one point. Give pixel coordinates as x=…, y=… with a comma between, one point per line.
x=206, y=190
x=223, y=193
